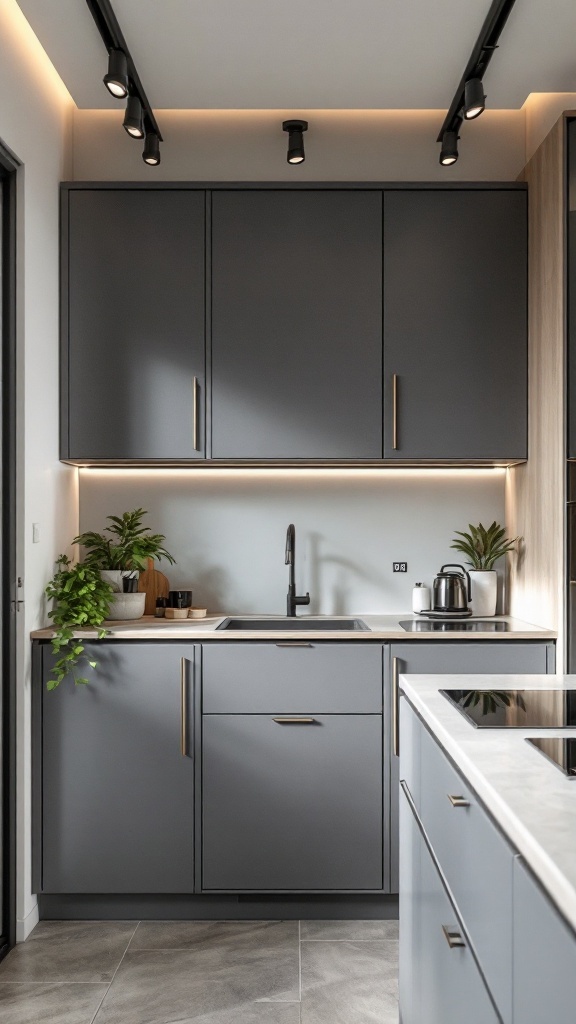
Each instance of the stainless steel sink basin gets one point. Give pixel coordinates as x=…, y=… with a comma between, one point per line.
x=304, y=623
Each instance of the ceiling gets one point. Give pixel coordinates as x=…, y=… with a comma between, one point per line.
x=310, y=54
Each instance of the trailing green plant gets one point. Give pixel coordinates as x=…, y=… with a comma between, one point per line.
x=128, y=547
x=483, y=547
x=81, y=598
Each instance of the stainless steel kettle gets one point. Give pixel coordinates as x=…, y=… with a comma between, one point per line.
x=451, y=590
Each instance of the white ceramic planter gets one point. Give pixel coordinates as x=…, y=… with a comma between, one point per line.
x=484, y=589
x=127, y=606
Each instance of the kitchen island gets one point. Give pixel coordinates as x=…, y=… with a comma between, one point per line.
x=488, y=862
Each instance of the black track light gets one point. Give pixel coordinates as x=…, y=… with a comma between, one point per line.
x=449, y=151
x=133, y=120
x=151, y=153
x=116, y=81
x=295, y=131
x=474, y=98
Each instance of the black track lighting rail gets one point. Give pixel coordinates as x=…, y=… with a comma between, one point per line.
x=113, y=39
x=480, y=58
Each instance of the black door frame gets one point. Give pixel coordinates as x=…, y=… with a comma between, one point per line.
x=8, y=539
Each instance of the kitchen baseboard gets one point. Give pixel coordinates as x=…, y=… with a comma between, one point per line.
x=25, y=926
x=215, y=908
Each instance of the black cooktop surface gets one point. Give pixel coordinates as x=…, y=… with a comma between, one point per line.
x=516, y=709
x=561, y=752
x=455, y=626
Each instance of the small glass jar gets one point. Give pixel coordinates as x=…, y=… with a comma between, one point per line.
x=160, y=610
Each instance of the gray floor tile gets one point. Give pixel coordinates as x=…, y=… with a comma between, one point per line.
x=86, y=951
x=353, y=930
x=350, y=982
x=212, y=934
x=49, y=1003
x=214, y=982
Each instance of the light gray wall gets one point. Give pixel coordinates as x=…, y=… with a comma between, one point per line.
x=227, y=529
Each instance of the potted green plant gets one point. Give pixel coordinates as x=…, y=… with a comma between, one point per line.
x=121, y=552
x=482, y=548
x=81, y=599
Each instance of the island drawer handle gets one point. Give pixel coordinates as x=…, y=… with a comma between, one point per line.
x=453, y=937
x=294, y=721
x=458, y=801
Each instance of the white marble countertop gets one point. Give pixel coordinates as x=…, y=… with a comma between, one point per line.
x=533, y=802
x=381, y=627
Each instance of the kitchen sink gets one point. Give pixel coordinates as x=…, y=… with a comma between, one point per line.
x=295, y=624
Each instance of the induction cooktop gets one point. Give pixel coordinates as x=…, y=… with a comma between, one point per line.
x=516, y=709
x=455, y=626
x=562, y=752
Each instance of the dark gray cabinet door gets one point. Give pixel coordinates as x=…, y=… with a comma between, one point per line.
x=297, y=324
x=135, y=325
x=449, y=658
x=455, y=329
x=293, y=806
x=118, y=793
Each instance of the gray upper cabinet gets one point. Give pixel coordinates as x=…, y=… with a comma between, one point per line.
x=133, y=324
x=455, y=335
x=116, y=798
x=297, y=324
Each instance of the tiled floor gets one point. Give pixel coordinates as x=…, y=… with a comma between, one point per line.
x=195, y=972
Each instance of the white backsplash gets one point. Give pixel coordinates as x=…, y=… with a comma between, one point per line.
x=227, y=530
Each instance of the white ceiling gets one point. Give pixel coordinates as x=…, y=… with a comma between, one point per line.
x=310, y=54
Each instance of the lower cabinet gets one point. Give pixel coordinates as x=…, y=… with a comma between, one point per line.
x=115, y=775
x=451, y=658
x=440, y=982
x=292, y=803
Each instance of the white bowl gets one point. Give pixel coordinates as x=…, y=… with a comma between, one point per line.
x=127, y=606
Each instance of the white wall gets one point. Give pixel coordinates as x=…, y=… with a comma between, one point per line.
x=341, y=145
x=35, y=124
x=227, y=529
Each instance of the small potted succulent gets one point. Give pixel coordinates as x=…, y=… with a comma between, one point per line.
x=82, y=599
x=482, y=548
x=121, y=556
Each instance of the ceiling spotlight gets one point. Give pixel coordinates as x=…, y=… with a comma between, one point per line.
x=449, y=151
x=116, y=81
x=473, y=98
x=133, y=121
x=295, y=131
x=151, y=152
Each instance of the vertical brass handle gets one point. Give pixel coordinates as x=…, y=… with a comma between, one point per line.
x=395, y=729
x=183, y=707
x=453, y=936
x=195, y=414
x=395, y=411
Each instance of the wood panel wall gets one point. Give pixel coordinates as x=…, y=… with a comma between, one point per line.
x=535, y=491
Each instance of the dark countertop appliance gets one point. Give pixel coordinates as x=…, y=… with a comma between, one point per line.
x=561, y=752
x=451, y=590
x=516, y=709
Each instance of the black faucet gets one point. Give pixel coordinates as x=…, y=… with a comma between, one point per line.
x=293, y=600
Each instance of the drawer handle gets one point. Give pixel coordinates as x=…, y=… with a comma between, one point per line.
x=294, y=721
x=195, y=414
x=453, y=937
x=458, y=801
x=294, y=643
x=395, y=412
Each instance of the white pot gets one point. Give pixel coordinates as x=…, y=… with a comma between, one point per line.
x=127, y=606
x=114, y=577
x=484, y=589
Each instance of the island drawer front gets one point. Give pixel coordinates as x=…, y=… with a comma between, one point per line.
x=300, y=677
x=474, y=858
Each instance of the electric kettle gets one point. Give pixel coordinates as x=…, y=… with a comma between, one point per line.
x=451, y=590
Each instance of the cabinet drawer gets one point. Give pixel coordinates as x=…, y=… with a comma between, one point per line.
x=292, y=678
x=475, y=859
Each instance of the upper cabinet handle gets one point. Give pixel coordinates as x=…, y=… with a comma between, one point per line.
x=195, y=414
x=395, y=411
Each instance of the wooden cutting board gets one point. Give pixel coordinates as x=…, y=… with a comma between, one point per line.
x=154, y=584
